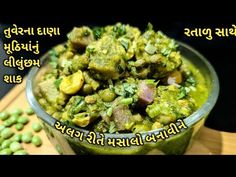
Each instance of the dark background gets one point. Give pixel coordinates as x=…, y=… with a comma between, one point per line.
x=219, y=51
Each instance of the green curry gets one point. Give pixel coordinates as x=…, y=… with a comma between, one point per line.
x=117, y=79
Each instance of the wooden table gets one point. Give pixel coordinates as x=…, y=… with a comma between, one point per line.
x=208, y=141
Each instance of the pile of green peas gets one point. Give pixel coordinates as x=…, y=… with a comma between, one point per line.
x=10, y=142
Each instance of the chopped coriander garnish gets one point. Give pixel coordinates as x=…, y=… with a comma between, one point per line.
x=126, y=90
x=119, y=30
x=149, y=26
x=53, y=59
x=187, y=90
x=172, y=44
x=191, y=80
x=182, y=93
x=97, y=32
x=125, y=43
x=112, y=127
x=150, y=49
x=57, y=82
x=165, y=52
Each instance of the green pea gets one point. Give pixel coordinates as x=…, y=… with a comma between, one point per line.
x=16, y=111
x=29, y=111
x=7, y=133
x=20, y=152
x=23, y=120
x=27, y=137
x=87, y=89
x=2, y=127
x=13, y=119
x=36, y=127
x=126, y=101
x=7, y=123
x=36, y=140
x=6, y=152
x=15, y=146
x=107, y=95
x=6, y=144
x=17, y=137
x=4, y=115
x=1, y=140
x=19, y=126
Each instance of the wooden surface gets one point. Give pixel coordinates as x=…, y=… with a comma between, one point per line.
x=16, y=98
x=208, y=141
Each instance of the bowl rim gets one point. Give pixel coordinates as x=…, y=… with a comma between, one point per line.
x=189, y=121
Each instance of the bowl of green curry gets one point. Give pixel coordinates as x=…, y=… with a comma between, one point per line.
x=117, y=90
